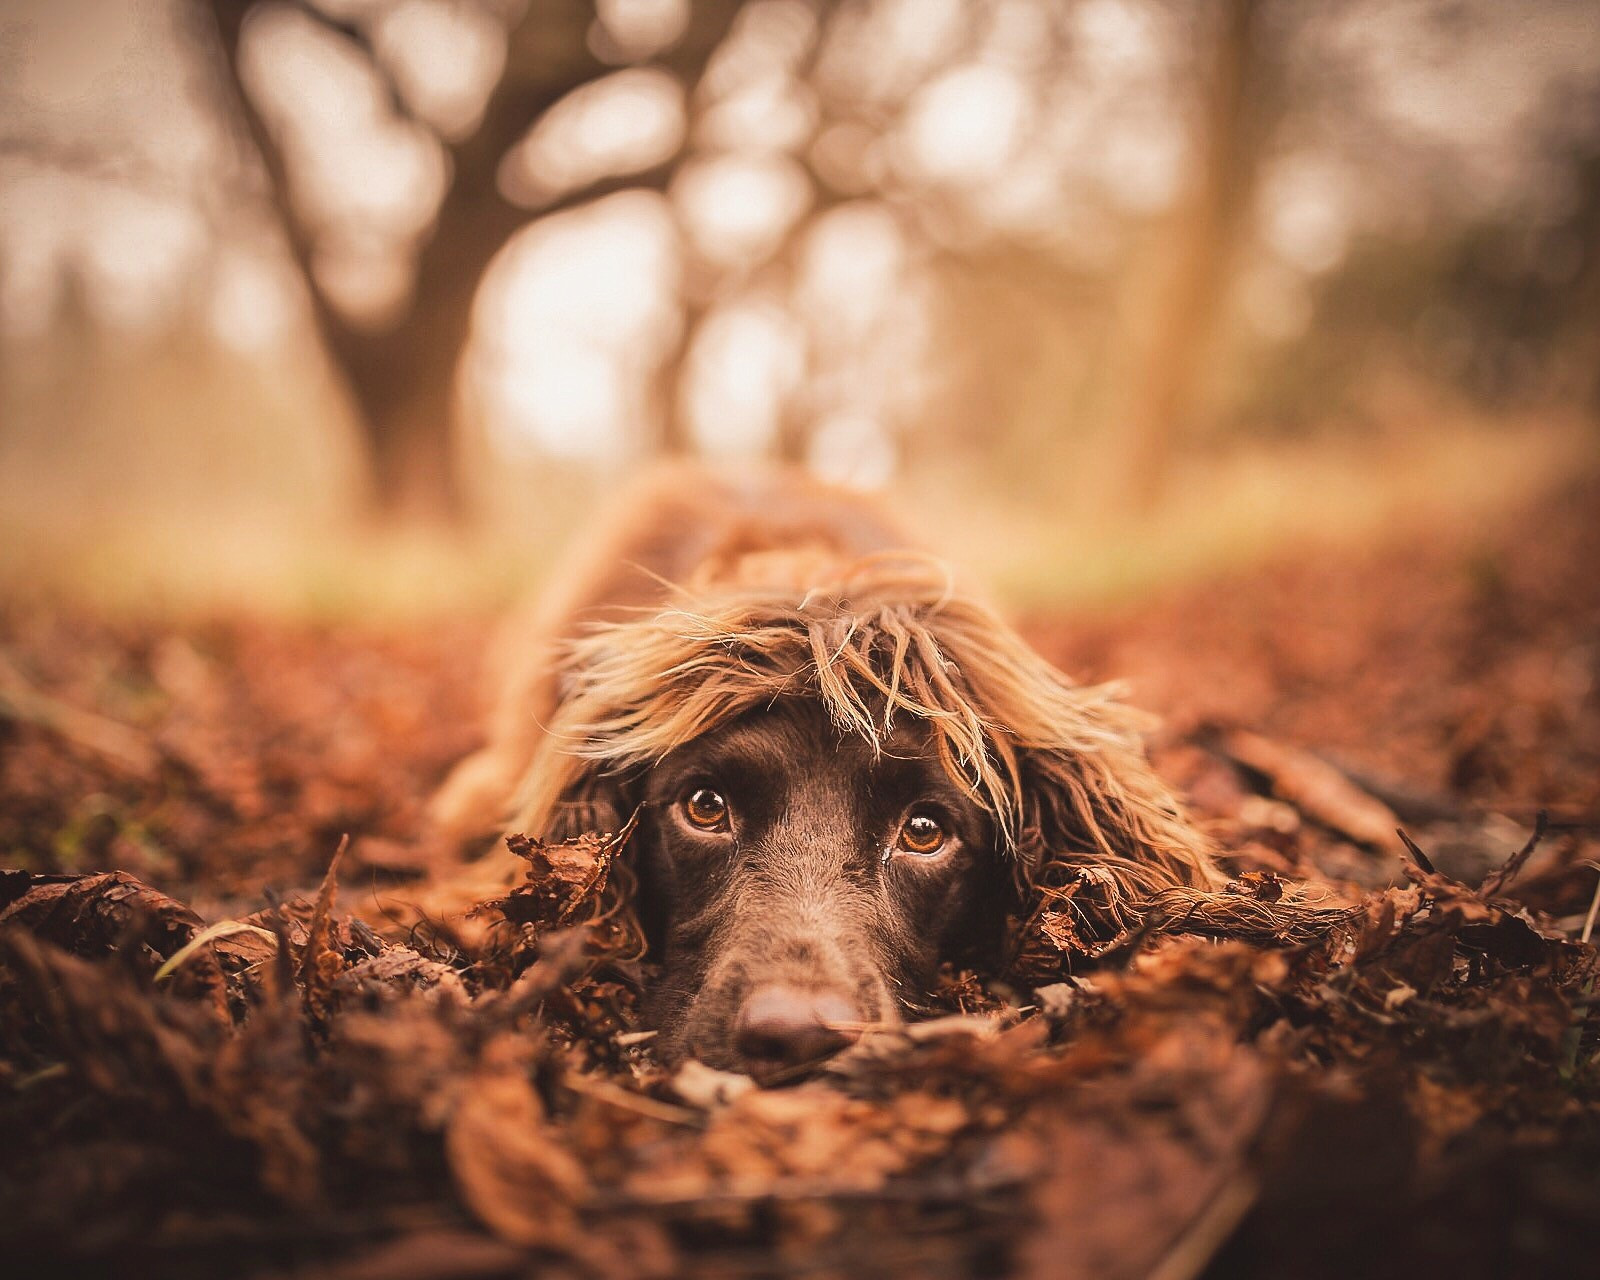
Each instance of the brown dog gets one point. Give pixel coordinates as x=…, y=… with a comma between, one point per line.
x=846, y=769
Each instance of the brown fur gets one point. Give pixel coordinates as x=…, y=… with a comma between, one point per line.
x=710, y=600
x=677, y=524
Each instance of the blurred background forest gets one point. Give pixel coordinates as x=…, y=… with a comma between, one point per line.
x=370, y=299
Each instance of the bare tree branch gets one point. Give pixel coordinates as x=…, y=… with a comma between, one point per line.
x=402, y=379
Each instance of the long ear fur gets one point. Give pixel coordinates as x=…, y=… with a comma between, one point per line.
x=1061, y=767
x=1106, y=820
x=594, y=799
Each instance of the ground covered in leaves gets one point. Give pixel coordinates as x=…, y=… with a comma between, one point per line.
x=226, y=1049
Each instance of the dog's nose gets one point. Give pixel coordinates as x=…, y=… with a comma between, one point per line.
x=784, y=1026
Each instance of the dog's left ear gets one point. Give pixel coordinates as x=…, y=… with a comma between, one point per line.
x=1103, y=815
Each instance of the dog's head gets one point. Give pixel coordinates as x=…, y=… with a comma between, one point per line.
x=837, y=790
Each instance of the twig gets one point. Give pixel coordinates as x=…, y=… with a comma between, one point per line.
x=614, y=1095
x=1313, y=786
x=610, y=847
x=1209, y=1231
x=1495, y=881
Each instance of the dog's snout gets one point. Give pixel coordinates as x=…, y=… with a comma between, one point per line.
x=783, y=1026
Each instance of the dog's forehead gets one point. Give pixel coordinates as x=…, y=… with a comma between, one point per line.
x=794, y=732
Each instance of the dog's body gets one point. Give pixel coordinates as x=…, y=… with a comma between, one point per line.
x=845, y=769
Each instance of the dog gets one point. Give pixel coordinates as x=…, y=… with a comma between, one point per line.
x=846, y=768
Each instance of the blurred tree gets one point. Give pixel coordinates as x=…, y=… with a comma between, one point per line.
x=1484, y=290
x=1229, y=121
x=400, y=372
x=1053, y=234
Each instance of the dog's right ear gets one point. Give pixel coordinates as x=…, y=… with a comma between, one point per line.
x=593, y=801
x=562, y=795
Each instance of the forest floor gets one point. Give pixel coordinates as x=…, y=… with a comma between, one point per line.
x=217, y=1057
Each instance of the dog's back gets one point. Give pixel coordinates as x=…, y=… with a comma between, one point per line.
x=680, y=527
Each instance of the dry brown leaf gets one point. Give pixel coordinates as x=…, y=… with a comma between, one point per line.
x=1314, y=786
x=509, y=1166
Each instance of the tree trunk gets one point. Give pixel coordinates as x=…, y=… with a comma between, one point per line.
x=1206, y=230
x=402, y=379
x=674, y=438
x=794, y=434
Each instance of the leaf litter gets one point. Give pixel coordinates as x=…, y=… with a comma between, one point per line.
x=233, y=1041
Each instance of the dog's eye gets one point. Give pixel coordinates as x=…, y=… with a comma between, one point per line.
x=921, y=834
x=705, y=808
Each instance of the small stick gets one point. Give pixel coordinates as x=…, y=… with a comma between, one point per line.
x=1495, y=881
x=627, y=1100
